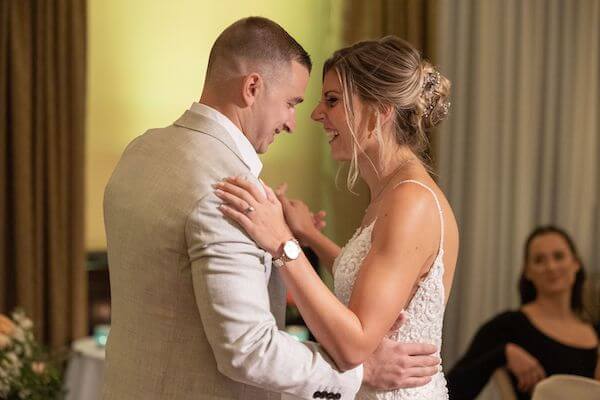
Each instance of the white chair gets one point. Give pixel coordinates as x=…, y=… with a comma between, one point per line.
x=572, y=387
x=503, y=384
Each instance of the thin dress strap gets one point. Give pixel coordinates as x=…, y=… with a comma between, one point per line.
x=437, y=202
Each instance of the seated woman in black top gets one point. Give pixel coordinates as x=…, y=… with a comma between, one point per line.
x=546, y=336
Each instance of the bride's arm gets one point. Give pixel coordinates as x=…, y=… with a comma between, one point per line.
x=325, y=248
x=301, y=222
x=403, y=241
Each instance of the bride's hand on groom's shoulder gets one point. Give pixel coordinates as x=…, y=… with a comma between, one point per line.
x=261, y=215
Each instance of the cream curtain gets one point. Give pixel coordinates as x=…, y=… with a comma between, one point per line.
x=521, y=146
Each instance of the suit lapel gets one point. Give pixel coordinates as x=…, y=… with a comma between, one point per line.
x=199, y=123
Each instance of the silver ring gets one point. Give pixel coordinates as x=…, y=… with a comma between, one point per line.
x=248, y=210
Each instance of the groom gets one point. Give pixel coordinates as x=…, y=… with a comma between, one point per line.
x=197, y=307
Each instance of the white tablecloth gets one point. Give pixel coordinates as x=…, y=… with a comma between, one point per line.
x=85, y=372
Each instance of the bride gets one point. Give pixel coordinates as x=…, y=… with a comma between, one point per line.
x=393, y=277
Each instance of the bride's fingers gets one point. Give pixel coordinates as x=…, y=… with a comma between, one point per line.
x=319, y=222
x=232, y=200
x=281, y=189
x=248, y=186
x=237, y=216
x=236, y=191
x=284, y=200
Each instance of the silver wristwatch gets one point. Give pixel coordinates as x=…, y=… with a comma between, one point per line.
x=291, y=251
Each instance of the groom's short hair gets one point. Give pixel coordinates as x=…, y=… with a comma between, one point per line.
x=257, y=40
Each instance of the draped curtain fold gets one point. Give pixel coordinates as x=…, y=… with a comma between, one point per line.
x=42, y=84
x=521, y=146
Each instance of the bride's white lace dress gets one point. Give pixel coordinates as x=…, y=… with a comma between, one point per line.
x=424, y=313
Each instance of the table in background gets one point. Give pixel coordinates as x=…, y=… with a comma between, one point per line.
x=85, y=372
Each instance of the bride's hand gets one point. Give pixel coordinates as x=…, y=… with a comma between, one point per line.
x=260, y=215
x=298, y=216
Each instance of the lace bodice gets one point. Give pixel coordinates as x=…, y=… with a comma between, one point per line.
x=424, y=313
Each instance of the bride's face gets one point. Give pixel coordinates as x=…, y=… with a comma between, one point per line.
x=331, y=112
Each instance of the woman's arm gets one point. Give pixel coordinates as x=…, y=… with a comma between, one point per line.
x=301, y=222
x=485, y=354
x=404, y=243
x=325, y=248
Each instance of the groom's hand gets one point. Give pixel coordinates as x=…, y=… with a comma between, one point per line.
x=397, y=365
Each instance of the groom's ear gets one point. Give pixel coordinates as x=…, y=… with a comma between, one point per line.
x=251, y=86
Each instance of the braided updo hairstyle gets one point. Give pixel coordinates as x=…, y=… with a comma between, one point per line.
x=390, y=72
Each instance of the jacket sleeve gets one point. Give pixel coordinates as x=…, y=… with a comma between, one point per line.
x=230, y=277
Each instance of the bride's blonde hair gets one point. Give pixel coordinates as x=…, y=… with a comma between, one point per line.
x=384, y=73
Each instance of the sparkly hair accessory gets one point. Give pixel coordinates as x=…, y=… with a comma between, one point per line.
x=431, y=85
x=431, y=82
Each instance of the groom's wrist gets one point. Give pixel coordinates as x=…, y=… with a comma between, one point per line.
x=367, y=373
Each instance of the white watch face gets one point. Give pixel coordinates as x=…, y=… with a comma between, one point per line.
x=291, y=249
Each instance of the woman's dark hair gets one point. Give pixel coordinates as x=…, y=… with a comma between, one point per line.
x=526, y=287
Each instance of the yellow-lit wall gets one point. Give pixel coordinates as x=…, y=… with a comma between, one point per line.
x=146, y=62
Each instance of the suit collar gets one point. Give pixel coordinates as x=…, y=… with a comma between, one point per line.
x=242, y=143
x=200, y=123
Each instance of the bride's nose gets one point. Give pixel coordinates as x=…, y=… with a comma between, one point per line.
x=318, y=114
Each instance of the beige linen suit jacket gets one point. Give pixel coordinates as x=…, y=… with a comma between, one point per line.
x=197, y=309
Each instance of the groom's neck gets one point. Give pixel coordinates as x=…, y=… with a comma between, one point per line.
x=228, y=109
